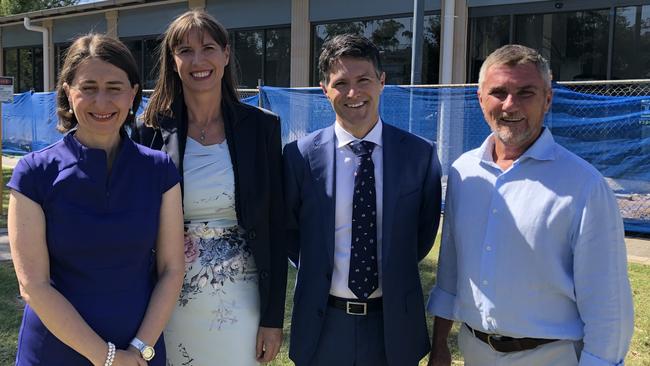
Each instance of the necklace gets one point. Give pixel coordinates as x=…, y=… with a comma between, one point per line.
x=202, y=135
x=203, y=130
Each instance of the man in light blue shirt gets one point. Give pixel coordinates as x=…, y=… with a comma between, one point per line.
x=533, y=256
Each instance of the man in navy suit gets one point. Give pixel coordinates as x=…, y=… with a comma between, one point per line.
x=364, y=206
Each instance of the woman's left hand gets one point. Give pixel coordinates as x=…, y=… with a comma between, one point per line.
x=269, y=341
x=129, y=357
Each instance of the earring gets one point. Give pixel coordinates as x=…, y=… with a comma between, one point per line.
x=131, y=112
x=71, y=111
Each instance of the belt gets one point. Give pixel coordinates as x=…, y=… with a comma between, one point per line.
x=356, y=306
x=505, y=344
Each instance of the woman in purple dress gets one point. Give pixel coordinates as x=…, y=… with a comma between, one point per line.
x=95, y=224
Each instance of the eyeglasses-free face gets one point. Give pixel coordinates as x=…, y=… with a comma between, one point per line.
x=100, y=96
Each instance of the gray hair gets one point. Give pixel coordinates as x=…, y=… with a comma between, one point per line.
x=514, y=54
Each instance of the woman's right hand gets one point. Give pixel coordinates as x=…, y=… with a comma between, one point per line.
x=128, y=358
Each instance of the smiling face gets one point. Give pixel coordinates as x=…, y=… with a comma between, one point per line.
x=354, y=88
x=514, y=100
x=100, y=96
x=200, y=62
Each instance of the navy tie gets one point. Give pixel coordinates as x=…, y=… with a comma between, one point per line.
x=363, y=276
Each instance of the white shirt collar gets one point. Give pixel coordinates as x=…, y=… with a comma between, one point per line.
x=542, y=149
x=343, y=137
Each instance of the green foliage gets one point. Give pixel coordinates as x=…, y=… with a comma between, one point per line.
x=10, y=7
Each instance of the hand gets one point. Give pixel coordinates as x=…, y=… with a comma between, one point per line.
x=440, y=356
x=268, y=345
x=130, y=357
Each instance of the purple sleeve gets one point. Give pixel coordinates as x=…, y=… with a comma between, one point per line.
x=27, y=180
x=170, y=174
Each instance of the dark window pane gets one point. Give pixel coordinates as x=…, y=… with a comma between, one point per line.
x=60, y=51
x=26, y=69
x=486, y=35
x=11, y=65
x=631, y=55
x=150, y=74
x=249, y=52
x=431, y=50
x=38, y=69
x=393, y=37
x=323, y=32
x=278, y=56
x=135, y=47
x=579, y=45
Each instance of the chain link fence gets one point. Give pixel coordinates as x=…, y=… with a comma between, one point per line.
x=623, y=125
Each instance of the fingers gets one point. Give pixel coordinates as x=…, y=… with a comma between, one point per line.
x=259, y=346
x=269, y=341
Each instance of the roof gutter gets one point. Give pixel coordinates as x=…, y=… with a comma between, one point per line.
x=46, y=50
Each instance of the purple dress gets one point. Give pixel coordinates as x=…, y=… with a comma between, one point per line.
x=101, y=233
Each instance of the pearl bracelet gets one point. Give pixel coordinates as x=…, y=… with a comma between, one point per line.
x=111, y=354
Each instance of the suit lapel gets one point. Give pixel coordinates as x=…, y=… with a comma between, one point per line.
x=321, y=161
x=393, y=153
x=244, y=162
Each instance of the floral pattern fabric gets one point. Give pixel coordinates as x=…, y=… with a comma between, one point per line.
x=216, y=318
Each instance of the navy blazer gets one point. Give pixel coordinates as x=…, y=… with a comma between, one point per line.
x=254, y=144
x=411, y=213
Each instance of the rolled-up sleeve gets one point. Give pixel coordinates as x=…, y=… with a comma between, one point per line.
x=602, y=286
x=443, y=295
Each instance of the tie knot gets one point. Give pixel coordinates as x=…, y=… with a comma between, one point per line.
x=360, y=148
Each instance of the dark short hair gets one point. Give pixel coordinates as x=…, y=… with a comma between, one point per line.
x=347, y=45
x=101, y=47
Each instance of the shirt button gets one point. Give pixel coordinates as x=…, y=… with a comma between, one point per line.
x=488, y=248
x=494, y=210
x=485, y=282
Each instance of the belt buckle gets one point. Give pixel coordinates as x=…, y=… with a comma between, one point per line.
x=349, y=304
x=489, y=341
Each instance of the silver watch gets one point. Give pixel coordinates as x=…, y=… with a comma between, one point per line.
x=146, y=351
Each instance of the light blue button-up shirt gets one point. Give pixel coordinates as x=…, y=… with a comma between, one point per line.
x=536, y=251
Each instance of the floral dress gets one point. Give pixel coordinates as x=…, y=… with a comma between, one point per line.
x=216, y=318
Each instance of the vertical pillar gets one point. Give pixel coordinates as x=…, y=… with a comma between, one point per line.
x=111, y=23
x=2, y=56
x=49, y=24
x=300, y=43
x=452, y=71
x=196, y=4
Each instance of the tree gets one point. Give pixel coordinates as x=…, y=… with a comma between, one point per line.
x=10, y=7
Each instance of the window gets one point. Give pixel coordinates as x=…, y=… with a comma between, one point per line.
x=262, y=54
x=25, y=64
x=393, y=37
x=145, y=53
x=631, y=54
x=575, y=43
x=486, y=34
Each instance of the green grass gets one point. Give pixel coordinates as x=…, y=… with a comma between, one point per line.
x=10, y=314
x=6, y=174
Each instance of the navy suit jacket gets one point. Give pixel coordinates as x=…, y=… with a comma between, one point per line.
x=411, y=213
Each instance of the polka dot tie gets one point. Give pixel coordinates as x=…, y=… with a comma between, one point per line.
x=363, y=277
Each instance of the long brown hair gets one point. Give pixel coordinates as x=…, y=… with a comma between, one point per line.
x=168, y=86
x=103, y=48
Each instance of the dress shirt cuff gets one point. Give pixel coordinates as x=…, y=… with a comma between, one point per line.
x=441, y=303
x=587, y=359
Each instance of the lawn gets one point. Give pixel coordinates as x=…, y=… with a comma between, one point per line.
x=639, y=355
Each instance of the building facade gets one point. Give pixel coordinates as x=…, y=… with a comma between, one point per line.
x=277, y=42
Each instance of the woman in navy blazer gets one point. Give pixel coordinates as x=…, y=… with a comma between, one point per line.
x=194, y=111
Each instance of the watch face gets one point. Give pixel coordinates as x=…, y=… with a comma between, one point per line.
x=148, y=353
